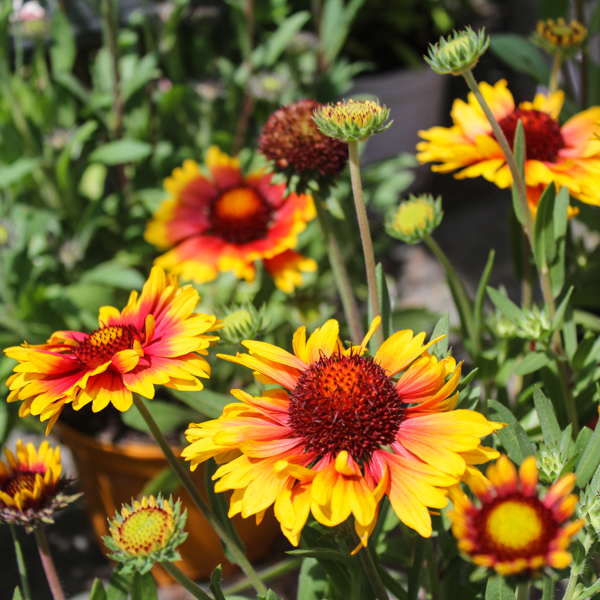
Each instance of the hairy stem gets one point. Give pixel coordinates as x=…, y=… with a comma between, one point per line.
x=188, y=484
x=185, y=581
x=340, y=273
x=432, y=571
x=365, y=234
x=553, y=84
x=370, y=568
x=48, y=563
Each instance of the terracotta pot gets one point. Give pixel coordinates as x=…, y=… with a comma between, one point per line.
x=111, y=475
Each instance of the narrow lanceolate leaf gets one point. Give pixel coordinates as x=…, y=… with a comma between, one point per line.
x=498, y=589
x=442, y=327
x=560, y=311
x=478, y=309
x=544, y=246
x=506, y=306
x=98, y=592
x=590, y=460
x=215, y=583
x=143, y=587
x=532, y=362
x=520, y=152
x=508, y=435
x=548, y=422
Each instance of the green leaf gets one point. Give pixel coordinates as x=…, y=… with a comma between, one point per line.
x=18, y=596
x=169, y=415
x=590, y=460
x=335, y=26
x=557, y=268
x=548, y=588
x=583, y=439
x=63, y=49
x=498, y=589
x=216, y=578
x=534, y=361
x=544, y=247
x=320, y=554
x=72, y=151
x=480, y=298
x=271, y=595
x=508, y=435
x=113, y=274
x=20, y=168
x=414, y=572
x=547, y=418
x=165, y=482
x=384, y=301
x=206, y=402
x=122, y=151
x=527, y=447
x=144, y=72
x=506, y=306
x=442, y=327
x=560, y=311
x=143, y=587
x=98, y=592
x=118, y=586
x=391, y=584
x=278, y=42
x=520, y=54
x=312, y=580
x=520, y=156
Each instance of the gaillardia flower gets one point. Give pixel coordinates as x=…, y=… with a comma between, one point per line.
x=227, y=222
x=342, y=433
x=31, y=487
x=513, y=531
x=567, y=155
x=155, y=340
x=291, y=139
x=145, y=533
x=560, y=37
x=415, y=218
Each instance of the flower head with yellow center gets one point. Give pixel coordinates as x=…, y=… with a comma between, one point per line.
x=415, y=218
x=31, y=486
x=228, y=221
x=514, y=531
x=568, y=155
x=352, y=120
x=342, y=432
x=145, y=533
x=560, y=37
x=156, y=339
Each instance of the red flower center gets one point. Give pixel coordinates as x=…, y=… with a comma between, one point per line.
x=513, y=527
x=101, y=345
x=240, y=215
x=543, y=138
x=345, y=403
x=18, y=483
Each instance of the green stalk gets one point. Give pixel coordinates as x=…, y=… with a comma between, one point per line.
x=459, y=293
x=573, y=577
x=553, y=84
x=340, y=273
x=20, y=563
x=185, y=581
x=48, y=563
x=365, y=234
x=281, y=568
x=523, y=590
x=368, y=563
x=188, y=484
x=432, y=571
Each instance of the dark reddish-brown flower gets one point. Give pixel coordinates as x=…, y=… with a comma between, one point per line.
x=291, y=139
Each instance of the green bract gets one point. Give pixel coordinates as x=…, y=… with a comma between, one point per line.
x=243, y=322
x=459, y=53
x=352, y=120
x=145, y=533
x=415, y=218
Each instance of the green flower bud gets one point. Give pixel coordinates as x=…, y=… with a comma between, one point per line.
x=145, y=533
x=243, y=322
x=352, y=120
x=459, y=53
x=415, y=218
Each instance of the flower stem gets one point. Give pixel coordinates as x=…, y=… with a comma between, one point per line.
x=372, y=575
x=365, y=234
x=20, y=563
x=277, y=570
x=553, y=84
x=185, y=581
x=432, y=571
x=188, y=484
x=573, y=577
x=47, y=563
x=523, y=590
x=340, y=273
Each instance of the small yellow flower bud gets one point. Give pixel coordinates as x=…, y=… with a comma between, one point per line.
x=415, y=218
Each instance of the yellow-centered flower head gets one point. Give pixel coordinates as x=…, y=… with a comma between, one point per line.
x=560, y=37
x=415, y=218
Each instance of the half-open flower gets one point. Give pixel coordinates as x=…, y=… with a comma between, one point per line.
x=155, y=340
x=31, y=486
x=568, y=155
x=343, y=432
x=227, y=222
x=145, y=533
x=513, y=530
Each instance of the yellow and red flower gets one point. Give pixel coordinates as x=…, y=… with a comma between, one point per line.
x=568, y=155
x=513, y=531
x=31, y=487
x=155, y=340
x=229, y=221
x=343, y=433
